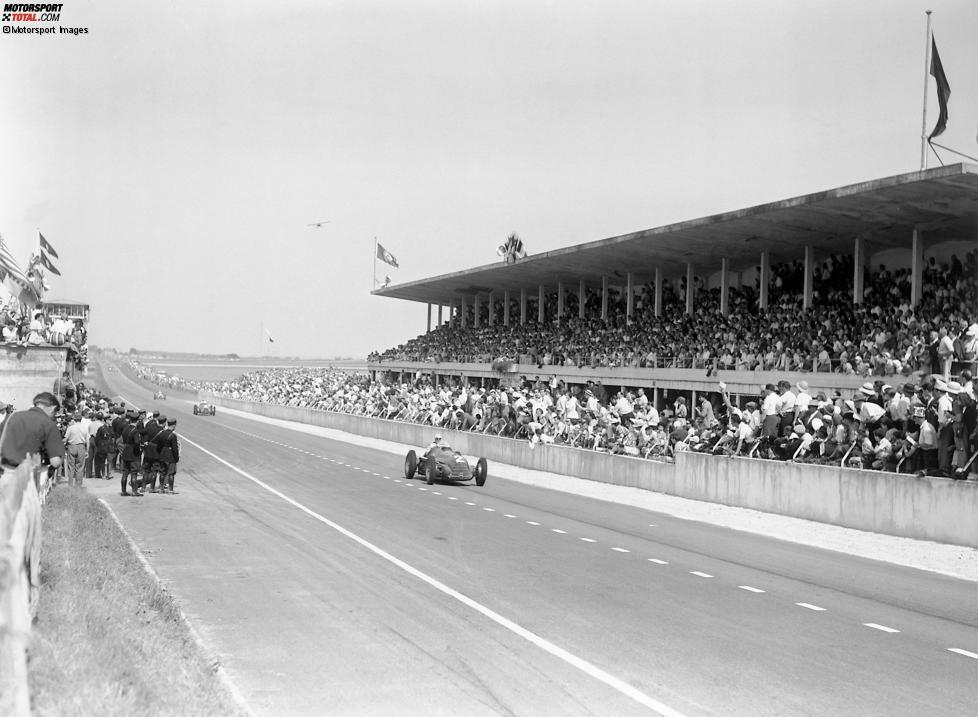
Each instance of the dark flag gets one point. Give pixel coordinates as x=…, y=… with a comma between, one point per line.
x=943, y=89
x=385, y=256
x=48, y=264
x=47, y=246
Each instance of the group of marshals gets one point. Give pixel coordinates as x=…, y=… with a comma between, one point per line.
x=148, y=451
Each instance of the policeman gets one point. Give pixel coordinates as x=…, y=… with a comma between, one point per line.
x=151, y=456
x=168, y=450
x=130, y=455
x=32, y=431
x=118, y=423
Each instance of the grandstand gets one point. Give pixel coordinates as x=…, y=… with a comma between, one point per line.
x=715, y=268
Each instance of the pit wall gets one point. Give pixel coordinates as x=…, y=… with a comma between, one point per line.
x=26, y=371
x=927, y=508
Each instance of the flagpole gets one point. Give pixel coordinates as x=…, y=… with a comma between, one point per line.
x=372, y=288
x=923, y=122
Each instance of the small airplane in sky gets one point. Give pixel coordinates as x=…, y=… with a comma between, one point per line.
x=318, y=224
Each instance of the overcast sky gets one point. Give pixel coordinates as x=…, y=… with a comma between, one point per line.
x=174, y=155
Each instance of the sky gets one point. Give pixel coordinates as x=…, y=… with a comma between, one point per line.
x=176, y=152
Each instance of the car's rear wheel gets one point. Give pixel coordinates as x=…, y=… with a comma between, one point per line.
x=432, y=472
x=481, y=470
x=410, y=464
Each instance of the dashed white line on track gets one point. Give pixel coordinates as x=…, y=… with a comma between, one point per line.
x=882, y=628
x=435, y=492
x=558, y=530
x=816, y=608
x=468, y=502
x=621, y=550
x=658, y=562
x=749, y=589
x=698, y=574
x=452, y=497
x=508, y=515
x=489, y=510
x=958, y=650
x=532, y=522
x=589, y=540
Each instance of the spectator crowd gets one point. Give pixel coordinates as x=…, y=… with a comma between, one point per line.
x=34, y=327
x=882, y=336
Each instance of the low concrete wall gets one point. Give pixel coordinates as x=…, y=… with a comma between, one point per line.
x=26, y=371
x=925, y=508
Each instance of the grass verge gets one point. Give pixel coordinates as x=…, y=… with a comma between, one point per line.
x=108, y=640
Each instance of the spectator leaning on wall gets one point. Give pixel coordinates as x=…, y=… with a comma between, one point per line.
x=32, y=432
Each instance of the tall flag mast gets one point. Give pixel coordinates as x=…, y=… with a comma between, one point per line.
x=923, y=121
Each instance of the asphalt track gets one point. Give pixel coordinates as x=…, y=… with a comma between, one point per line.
x=329, y=584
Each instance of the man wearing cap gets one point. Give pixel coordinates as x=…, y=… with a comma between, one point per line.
x=803, y=399
x=151, y=466
x=76, y=443
x=118, y=423
x=32, y=432
x=97, y=419
x=104, y=443
x=945, y=423
x=168, y=450
x=130, y=455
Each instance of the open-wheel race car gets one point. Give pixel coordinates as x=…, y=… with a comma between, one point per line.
x=203, y=408
x=443, y=463
x=159, y=396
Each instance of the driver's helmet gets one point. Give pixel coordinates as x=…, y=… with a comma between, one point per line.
x=437, y=438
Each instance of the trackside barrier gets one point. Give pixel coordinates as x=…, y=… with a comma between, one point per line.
x=20, y=552
x=927, y=508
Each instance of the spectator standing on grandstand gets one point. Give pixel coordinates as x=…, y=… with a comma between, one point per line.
x=945, y=425
x=770, y=412
x=32, y=432
x=76, y=444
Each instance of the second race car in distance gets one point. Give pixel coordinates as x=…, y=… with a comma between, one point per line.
x=443, y=463
x=203, y=408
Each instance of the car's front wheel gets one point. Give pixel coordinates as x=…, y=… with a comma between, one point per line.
x=410, y=464
x=481, y=470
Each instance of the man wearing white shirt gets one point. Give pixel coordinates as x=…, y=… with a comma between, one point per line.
x=803, y=399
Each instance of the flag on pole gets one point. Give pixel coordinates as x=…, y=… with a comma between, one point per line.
x=48, y=264
x=943, y=89
x=14, y=278
x=386, y=257
x=46, y=246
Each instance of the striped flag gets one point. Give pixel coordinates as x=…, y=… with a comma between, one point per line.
x=13, y=277
x=46, y=245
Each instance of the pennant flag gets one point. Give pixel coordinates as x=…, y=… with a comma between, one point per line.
x=943, y=89
x=512, y=249
x=46, y=246
x=48, y=264
x=270, y=339
x=386, y=257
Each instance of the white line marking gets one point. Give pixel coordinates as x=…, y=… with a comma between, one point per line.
x=397, y=480
x=883, y=628
x=490, y=510
x=698, y=574
x=508, y=515
x=544, y=644
x=558, y=530
x=469, y=503
x=451, y=497
x=816, y=608
x=658, y=562
x=420, y=487
x=532, y=522
x=435, y=492
x=387, y=478
x=958, y=650
x=376, y=474
x=621, y=550
x=749, y=589
x=651, y=525
x=589, y=540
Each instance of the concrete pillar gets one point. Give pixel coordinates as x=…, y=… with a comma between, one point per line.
x=690, y=289
x=491, y=307
x=724, y=286
x=655, y=396
x=858, y=264
x=808, y=285
x=765, y=279
x=540, y=313
x=916, y=267
x=428, y=331
x=630, y=299
x=604, y=298
x=506, y=308
x=522, y=307
x=658, y=292
x=560, y=301
x=462, y=309
x=475, y=312
x=580, y=299
x=439, y=313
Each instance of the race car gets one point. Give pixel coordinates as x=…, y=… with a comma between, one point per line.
x=443, y=463
x=203, y=408
x=159, y=396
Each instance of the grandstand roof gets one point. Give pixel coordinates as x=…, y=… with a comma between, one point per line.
x=942, y=202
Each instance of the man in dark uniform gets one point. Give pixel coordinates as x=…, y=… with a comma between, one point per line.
x=130, y=455
x=118, y=423
x=168, y=450
x=151, y=462
x=32, y=431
